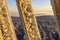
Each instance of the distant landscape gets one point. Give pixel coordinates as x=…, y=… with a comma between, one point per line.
x=46, y=24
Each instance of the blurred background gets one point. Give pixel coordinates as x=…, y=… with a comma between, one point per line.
x=44, y=15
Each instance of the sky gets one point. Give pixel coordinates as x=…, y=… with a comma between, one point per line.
x=39, y=6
